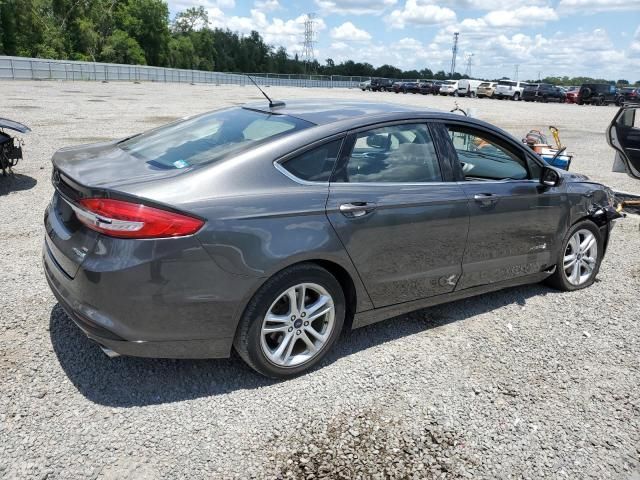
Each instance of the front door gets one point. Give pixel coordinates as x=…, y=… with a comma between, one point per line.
x=624, y=137
x=403, y=226
x=514, y=220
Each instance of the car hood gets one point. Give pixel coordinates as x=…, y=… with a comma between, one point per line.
x=105, y=165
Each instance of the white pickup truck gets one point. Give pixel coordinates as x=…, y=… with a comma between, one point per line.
x=509, y=89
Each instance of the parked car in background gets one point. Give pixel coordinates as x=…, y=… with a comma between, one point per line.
x=449, y=87
x=543, y=92
x=509, y=89
x=381, y=84
x=468, y=87
x=410, y=87
x=397, y=86
x=486, y=90
x=598, y=94
x=629, y=94
x=572, y=94
x=155, y=247
x=429, y=87
x=366, y=85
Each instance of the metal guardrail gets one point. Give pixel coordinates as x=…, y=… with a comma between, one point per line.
x=21, y=68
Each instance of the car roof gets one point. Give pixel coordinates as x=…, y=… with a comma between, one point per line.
x=324, y=111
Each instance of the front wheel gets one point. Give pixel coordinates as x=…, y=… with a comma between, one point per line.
x=291, y=322
x=516, y=97
x=579, y=259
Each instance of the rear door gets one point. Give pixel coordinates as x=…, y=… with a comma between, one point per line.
x=624, y=137
x=401, y=220
x=515, y=222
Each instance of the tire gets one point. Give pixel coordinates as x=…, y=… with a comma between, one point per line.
x=260, y=350
x=516, y=97
x=560, y=279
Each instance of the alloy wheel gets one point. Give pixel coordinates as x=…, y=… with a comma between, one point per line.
x=580, y=257
x=297, y=325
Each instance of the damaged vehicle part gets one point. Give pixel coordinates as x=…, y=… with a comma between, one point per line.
x=10, y=147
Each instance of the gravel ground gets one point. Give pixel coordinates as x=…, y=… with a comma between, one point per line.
x=523, y=383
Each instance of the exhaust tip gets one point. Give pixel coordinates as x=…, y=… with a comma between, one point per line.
x=108, y=352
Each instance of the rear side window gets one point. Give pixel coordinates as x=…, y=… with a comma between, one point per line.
x=393, y=154
x=315, y=165
x=209, y=138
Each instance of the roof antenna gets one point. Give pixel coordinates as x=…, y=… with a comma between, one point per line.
x=272, y=104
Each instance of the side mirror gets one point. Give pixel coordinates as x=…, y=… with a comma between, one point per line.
x=550, y=178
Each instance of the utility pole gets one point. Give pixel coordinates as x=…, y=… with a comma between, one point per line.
x=467, y=70
x=454, y=52
x=308, y=54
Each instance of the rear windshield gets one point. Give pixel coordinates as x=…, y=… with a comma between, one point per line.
x=531, y=87
x=210, y=137
x=507, y=83
x=485, y=84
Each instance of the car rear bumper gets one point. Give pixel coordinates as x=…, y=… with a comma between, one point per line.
x=126, y=312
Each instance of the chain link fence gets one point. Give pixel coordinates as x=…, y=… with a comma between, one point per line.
x=21, y=68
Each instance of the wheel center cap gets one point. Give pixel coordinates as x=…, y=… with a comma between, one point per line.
x=297, y=323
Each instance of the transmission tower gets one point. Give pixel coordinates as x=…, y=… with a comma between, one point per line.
x=308, y=54
x=515, y=76
x=454, y=52
x=467, y=70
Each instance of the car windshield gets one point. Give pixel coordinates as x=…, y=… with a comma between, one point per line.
x=209, y=138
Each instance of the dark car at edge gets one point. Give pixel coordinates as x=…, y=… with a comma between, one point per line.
x=269, y=228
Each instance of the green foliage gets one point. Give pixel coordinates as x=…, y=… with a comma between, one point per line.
x=121, y=48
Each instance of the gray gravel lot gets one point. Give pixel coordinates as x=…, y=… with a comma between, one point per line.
x=523, y=383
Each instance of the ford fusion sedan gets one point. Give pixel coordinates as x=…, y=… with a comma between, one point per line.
x=270, y=228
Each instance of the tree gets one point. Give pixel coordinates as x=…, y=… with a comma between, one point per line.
x=192, y=19
x=121, y=48
x=147, y=21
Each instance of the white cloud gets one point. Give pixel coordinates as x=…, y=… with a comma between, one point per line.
x=519, y=17
x=634, y=48
x=355, y=7
x=593, y=6
x=275, y=31
x=349, y=32
x=421, y=12
x=267, y=5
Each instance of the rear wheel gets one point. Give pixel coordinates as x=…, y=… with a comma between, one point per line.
x=579, y=259
x=291, y=322
x=516, y=97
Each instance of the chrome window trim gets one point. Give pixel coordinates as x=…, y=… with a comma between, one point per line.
x=291, y=176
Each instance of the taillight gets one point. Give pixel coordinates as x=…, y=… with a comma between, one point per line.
x=122, y=219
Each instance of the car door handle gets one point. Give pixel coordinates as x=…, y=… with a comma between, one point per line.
x=485, y=198
x=356, y=209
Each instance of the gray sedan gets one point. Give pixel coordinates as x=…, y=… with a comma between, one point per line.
x=269, y=228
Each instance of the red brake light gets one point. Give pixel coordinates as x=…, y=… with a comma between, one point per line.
x=122, y=219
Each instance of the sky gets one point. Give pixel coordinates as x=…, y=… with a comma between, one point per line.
x=596, y=38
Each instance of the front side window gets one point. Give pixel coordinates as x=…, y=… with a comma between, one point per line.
x=209, y=138
x=393, y=154
x=485, y=158
x=315, y=165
